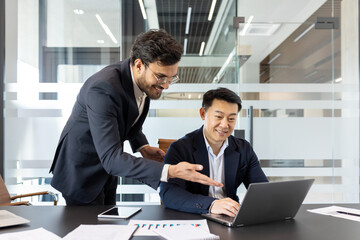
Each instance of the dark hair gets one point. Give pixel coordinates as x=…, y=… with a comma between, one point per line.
x=220, y=94
x=156, y=45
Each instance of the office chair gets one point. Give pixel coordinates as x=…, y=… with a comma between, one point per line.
x=165, y=143
x=6, y=200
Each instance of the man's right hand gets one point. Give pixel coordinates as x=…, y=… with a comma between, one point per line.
x=225, y=206
x=188, y=171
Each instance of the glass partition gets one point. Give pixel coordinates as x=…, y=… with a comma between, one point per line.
x=302, y=82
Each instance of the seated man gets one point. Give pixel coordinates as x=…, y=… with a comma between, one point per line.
x=226, y=159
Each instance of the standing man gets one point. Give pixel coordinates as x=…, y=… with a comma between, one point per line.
x=226, y=159
x=111, y=108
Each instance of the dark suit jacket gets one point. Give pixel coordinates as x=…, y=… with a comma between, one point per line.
x=241, y=166
x=91, y=145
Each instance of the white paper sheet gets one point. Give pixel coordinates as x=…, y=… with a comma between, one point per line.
x=146, y=226
x=102, y=231
x=34, y=234
x=340, y=212
x=185, y=232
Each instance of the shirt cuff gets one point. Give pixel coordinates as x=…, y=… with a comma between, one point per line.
x=138, y=150
x=164, y=173
x=211, y=206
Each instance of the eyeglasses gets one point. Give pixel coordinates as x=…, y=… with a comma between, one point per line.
x=164, y=80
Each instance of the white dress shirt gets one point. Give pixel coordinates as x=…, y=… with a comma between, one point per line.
x=139, y=96
x=216, y=169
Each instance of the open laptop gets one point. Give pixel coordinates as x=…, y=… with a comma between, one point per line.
x=266, y=202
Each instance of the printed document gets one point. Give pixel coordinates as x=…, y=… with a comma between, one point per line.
x=146, y=227
x=102, y=231
x=185, y=232
x=340, y=212
x=34, y=234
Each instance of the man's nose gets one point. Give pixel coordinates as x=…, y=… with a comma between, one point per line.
x=165, y=85
x=224, y=122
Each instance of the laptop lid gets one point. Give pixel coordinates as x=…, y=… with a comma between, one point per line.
x=266, y=202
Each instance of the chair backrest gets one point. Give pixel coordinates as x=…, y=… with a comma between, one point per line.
x=165, y=143
x=4, y=193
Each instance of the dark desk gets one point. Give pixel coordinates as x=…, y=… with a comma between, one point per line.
x=307, y=226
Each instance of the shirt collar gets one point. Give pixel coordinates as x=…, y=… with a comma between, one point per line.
x=137, y=91
x=209, y=149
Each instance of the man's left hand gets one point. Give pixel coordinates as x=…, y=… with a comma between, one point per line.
x=153, y=153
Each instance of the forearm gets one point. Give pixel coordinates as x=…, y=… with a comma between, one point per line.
x=180, y=199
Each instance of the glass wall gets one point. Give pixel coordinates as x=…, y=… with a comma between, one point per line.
x=298, y=82
x=302, y=81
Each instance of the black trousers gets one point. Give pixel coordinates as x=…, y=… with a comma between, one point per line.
x=107, y=195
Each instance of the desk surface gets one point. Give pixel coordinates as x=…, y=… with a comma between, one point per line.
x=306, y=226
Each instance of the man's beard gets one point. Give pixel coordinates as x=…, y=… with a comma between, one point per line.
x=152, y=91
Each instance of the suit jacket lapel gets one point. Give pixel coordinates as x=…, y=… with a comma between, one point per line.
x=231, y=163
x=127, y=84
x=201, y=156
x=141, y=119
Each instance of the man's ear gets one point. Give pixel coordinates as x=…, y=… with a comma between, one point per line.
x=138, y=65
x=202, y=113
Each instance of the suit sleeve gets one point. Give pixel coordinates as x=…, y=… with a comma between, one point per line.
x=138, y=140
x=105, y=128
x=254, y=173
x=174, y=194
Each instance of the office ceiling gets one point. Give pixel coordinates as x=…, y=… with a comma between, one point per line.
x=283, y=17
x=172, y=16
x=308, y=55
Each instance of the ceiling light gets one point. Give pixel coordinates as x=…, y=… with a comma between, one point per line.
x=226, y=31
x=100, y=41
x=259, y=29
x=310, y=74
x=189, y=96
x=142, y=9
x=303, y=33
x=78, y=11
x=188, y=21
x=247, y=25
x=268, y=80
x=202, y=48
x=221, y=72
x=212, y=9
x=338, y=80
x=274, y=58
x=106, y=29
x=185, y=45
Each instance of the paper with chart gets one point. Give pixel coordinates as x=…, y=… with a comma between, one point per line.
x=340, y=212
x=146, y=226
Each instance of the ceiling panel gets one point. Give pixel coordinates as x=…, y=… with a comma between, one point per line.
x=172, y=16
